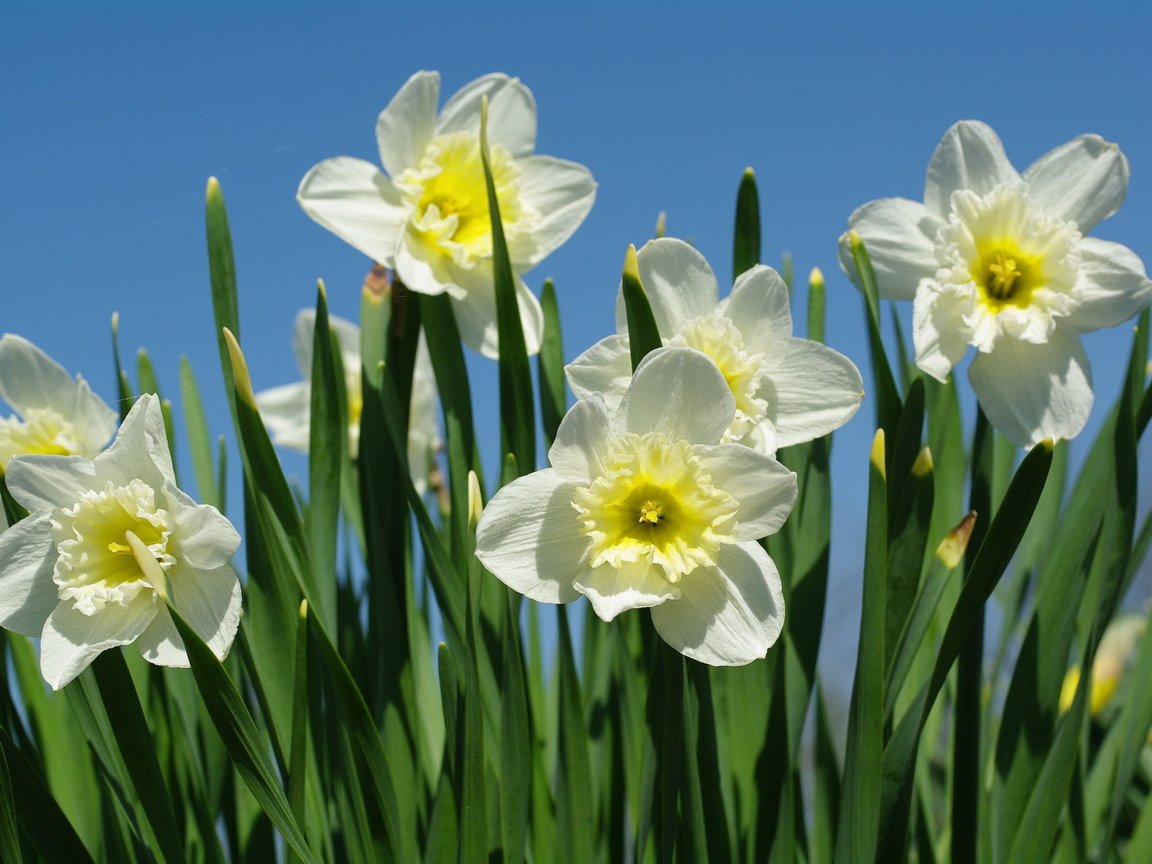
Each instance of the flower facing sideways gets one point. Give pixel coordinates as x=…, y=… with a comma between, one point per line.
x=644, y=507
x=106, y=543
x=286, y=409
x=428, y=218
x=787, y=390
x=57, y=414
x=999, y=261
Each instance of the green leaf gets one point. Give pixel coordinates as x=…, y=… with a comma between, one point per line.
x=241, y=737
x=1000, y=543
x=327, y=440
x=888, y=407
x=575, y=819
x=136, y=744
x=358, y=724
x=856, y=836
x=125, y=396
x=643, y=335
x=517, y=414
x=199, y=438
x=816, y=296
x=9, y=829
x=746, y=237
x=222, y=273
x=550, y=366
x=43, y=822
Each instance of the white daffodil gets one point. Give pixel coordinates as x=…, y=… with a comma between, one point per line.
x=286, y=410
x=787, y=390
x=644, y=507
x=106, y=543
x=999, y=261
x=57, y=414
x=427, y=218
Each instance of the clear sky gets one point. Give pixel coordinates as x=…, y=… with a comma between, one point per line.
x=113, y=119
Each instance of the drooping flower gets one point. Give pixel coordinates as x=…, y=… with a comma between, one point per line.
x=286, y=410
x=644, y=507
x=428, y=218
x=787, y=390
x=999, y=261
x=57, y=414
x=106, y=543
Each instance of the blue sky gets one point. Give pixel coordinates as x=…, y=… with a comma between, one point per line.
x=113, y=120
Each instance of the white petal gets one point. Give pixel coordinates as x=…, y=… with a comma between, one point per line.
x=511, y=113
x=529, y=538
x=760, y=309
x=1083, y=181
x=422, y=267
x=202, y=536
x=969, y=156
x=679, y=283
x=476, y=315
x=765, y=489
x=29, y=378
x=71, y=640
x=1113, y=285
x=681, y=393
x=900, y=238
x=605, y=368
x=562, y=193
x=303, y=335
x=810, y=389
x=406, y=126
x=285, y=411
x=41, y=482
x=140, y=451
x=728, y=616
x=27, y=591
x=356, y=202
x=614, y=590
x=581, y=438
x=209, y=602
x=1031, y=392
x=938, y=330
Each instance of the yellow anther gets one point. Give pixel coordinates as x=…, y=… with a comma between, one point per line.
x=651, y=512
x=1004, y=273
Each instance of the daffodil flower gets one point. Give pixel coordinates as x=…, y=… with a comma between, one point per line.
x=644, y=507
x=999, y=261
x=107, y=544
x=286, y=410
x=787, y=390
x=428, y=219
x=57, y=414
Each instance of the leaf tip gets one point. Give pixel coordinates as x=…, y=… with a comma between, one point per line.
x=816, y=279
x=240, y=376
x=952, y=548
x=923, y=465
x=876, y=457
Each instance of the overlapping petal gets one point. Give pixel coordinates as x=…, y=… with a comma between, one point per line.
x=899, y=236
x=679, y=393
x=1083, y=181
x=1113, y=286
x=356, y=202
x=969, y=156
x=729, y=616
x=1031, y=392
x=528, y=538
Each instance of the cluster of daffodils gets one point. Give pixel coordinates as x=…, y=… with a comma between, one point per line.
x=661, y=483
x=999, y=261
x=110, y=544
